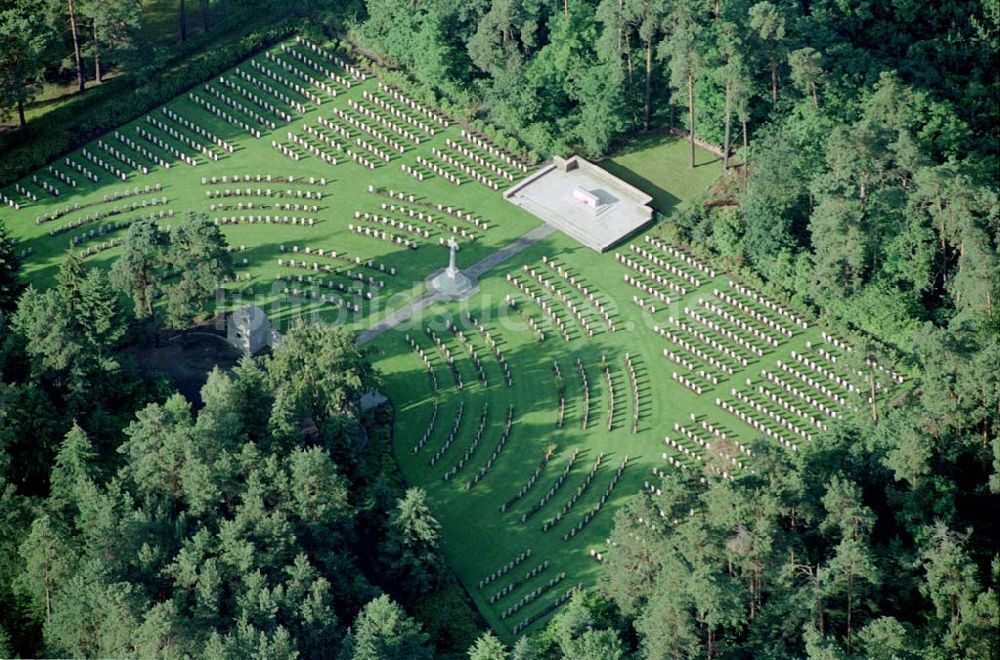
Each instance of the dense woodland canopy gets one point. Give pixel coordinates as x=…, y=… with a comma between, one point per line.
x=860, y=144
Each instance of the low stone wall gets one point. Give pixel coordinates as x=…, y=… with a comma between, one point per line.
x=510, y=192
x=707, y=146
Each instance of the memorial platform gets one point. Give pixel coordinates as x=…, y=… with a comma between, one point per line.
x=583, y=201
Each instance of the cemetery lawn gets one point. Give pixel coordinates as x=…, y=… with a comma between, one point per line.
x=658, y=164
x=477, y=537
x=345, y=193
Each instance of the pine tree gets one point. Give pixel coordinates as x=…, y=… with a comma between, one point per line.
x=383, y=631
x=806, y=69
x=254, y=398
x=48, y=564
x=578, y=637
x=75, y=463
x=50, y=338
x=70, y=280
x=99, y=315
x=768, y=20
x=523, y=650
x=410, y=550
x=682, y=48
x=852, y=571
x=952, y=584
x=488, y=647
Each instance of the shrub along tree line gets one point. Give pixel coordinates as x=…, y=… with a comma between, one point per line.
x=83, y=120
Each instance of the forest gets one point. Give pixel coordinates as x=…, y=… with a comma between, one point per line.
x=859, y=153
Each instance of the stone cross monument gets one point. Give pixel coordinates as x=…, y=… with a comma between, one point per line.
x=451, y=281
x=452, y=268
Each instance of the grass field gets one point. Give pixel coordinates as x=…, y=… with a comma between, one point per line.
x=52, y=96
x=658, y=163
x=721, y=336
x=478, y=536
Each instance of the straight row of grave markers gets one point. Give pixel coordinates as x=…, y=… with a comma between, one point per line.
x=174, y=140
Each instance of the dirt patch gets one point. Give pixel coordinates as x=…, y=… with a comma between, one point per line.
x=186, y=360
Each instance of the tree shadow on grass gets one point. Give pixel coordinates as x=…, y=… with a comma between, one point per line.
x=663, y=201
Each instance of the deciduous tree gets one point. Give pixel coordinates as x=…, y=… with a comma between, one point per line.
x=320, y=372
x=683, y=49
x=199, y=258
x=24, y=38
x=768, y=20
x=137, y=270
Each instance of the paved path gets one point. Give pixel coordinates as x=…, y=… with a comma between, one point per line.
x=517, y=246
x=475, y=271
x=398, y=316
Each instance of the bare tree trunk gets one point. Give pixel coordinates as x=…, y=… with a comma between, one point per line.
x=871, y=382
x=183, y=18
x=850, y=605
x=774, y=79
x=628, y=56
x=649, y=82
x=729, y=124
x=48, y=600
x=746, y=150
x=819, y=602
x=97, y=56
x=815, y=96
x=822, y=615
x=691, y=113
x=621, y=27
x=76, y=46
x=204, y=15
x=627, y=39
x=20, y=112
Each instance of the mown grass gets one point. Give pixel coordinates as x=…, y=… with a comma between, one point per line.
x=345, y=193
x=479, y=538
x=659, y=164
